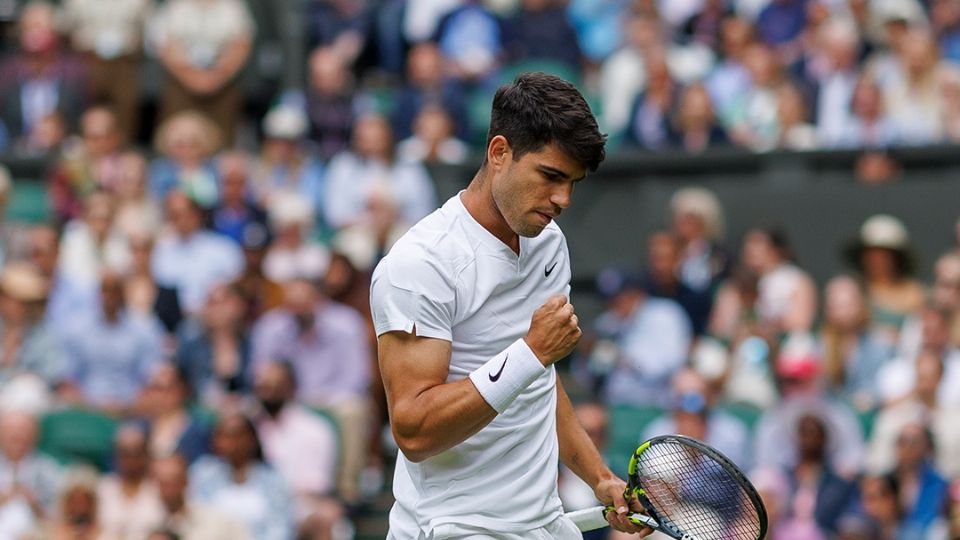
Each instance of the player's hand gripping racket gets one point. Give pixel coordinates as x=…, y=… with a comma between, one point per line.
x=689, y=491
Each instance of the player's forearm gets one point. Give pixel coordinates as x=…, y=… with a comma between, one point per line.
x=439, y=418
x=577, y=451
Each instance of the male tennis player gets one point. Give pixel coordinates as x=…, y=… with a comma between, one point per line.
x=471, y=311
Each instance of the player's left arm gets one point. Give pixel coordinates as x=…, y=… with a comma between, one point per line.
x=580, y=455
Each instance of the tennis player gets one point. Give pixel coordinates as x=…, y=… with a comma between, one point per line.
x=471, y=309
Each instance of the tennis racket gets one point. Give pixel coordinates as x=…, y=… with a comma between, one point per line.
x=689, y=491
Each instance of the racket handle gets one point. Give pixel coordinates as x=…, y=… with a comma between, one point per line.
x=590, y=519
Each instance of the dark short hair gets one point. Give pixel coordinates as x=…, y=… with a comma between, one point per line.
x=537, y=109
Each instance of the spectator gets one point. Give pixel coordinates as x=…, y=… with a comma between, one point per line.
x=428, y=85
x=236, y=481
x=371, y=165
x=203, y=45
x=129, y=505
x=260, y=293
x=29, y=345
x=191, y=259
x=540, y=30
x=144, y=296
x=172, y=427
x=704, y=27
x=92, y=164
x=780, y=25
x=752, y=116
x=235, y=212
x=293, y=254
x=214, y=349
x=29, y=481
x=39, y=78
x=945, y=23
x=923, y=491
x=697, y=220
x=730, y=79
x=649, y=125
x=696, y=127
x=137, y=213
x=786, y=300
x=65, y=299
x=853, y=353
x=599, y=27
x=92, y=245
x=921, y=405
x=284, y=164
x=368, y=241
x=880, y=499
x=342, y=25
x=186, y=142
x=652, y=343
x=835, y=74
x=774, y=488
x=574, y=492
x=111, y=353
x=623, y=75
x=819, y=496
x=471, y=40
x=867, y=124
x=301, y=445
x=913, y=100
x=330, y=96
x=187, y=518
x=882, y=255
x=693, y=413
x=944, y=295
x=77, y=513
x=795, y=132
x=110, y=35
x=798, y=369
x=662, y=280
x=433, y=139
x=328, y=345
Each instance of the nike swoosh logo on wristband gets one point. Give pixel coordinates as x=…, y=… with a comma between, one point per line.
x=494, y=377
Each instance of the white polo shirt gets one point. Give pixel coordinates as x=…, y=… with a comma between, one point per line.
x=452, y=279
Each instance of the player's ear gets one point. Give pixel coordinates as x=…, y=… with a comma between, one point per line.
x=498, y=151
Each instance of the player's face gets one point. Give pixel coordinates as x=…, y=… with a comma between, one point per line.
x=533, y=190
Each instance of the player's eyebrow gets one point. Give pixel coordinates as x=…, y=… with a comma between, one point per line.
x=558, y=172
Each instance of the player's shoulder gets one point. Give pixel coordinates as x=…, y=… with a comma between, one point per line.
x=433, y=252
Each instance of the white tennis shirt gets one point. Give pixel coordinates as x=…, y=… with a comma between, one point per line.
x=453, y=280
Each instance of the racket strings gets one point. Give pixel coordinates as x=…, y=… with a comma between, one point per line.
x=697, y=494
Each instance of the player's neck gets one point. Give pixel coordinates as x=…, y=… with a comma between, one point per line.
x=478, y=200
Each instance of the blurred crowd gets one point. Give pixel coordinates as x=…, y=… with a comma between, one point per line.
x=842, y=400
x=202, y=279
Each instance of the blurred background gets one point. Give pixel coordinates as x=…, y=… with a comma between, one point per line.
x=195, y=192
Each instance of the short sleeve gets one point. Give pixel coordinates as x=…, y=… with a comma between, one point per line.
x=412, y=293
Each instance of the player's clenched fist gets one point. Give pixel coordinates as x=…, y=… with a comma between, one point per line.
x=554, y=330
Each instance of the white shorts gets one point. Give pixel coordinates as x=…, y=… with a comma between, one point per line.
x=558, y=529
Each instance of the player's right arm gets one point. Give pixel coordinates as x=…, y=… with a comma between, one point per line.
x=429, y=415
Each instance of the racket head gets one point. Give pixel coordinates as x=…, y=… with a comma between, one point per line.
x=694, y=491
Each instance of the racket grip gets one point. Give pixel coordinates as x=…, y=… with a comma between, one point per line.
x=590, y=519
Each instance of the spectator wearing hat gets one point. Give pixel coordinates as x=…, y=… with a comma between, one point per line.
x=191, y=259
x=203, y=45
x=292, y=253
x=28, y=344
x=213, y=349
x=235, y=212
x=882, y=256
x=260, y=292
x=853, y=352
x=798, y=369
x=186, y=143
x=284, y=165
x=692, y=413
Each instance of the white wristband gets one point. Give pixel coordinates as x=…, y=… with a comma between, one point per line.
x=507, y=374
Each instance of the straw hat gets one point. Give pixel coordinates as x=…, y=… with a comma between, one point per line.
x=883, y=231
x=703, y=204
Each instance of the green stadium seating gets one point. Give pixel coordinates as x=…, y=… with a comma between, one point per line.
x=78, y=436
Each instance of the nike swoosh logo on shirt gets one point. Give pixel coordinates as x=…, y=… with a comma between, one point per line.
x=546, y=271
x=494, y=377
